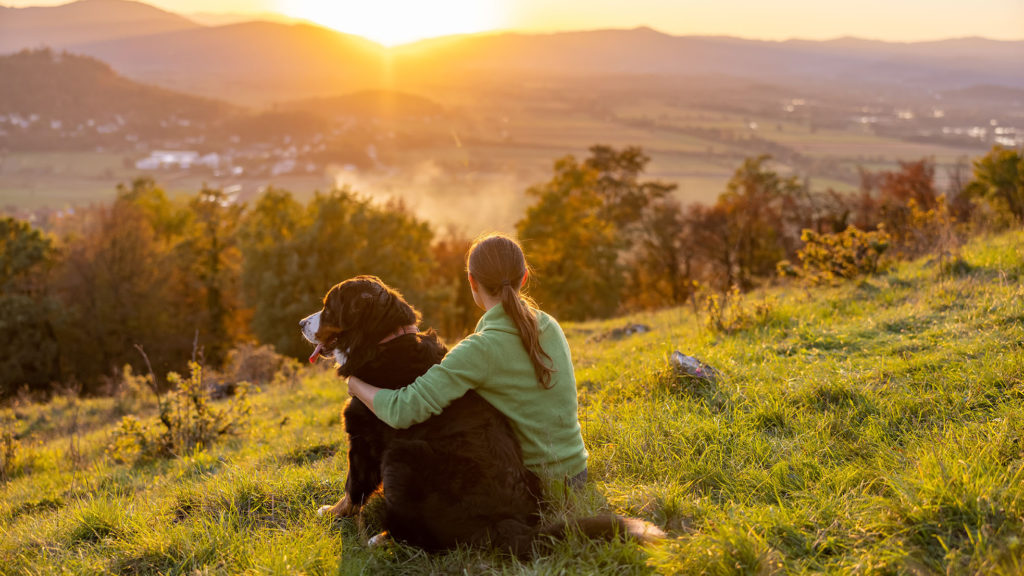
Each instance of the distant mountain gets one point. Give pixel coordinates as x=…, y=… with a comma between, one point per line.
x=261, y=61
x=265, y=62
x=225, y=18
x=82, y=22
x=945, y=64
x=49, y=97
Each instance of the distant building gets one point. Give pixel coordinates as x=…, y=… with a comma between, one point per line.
x=180, y=159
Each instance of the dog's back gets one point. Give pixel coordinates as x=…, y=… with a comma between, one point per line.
x=457, y=478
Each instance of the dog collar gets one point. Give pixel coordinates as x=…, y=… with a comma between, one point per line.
x=410, y=329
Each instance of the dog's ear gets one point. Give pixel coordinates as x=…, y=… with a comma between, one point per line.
x=360, y=307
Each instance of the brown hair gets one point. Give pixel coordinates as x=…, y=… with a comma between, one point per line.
x=498, y=265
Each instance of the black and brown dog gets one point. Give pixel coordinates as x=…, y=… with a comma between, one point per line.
x=457, y=478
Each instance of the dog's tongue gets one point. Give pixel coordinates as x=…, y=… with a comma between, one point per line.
x=316, y=353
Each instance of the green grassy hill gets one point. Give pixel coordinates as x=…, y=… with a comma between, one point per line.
x=872, y=427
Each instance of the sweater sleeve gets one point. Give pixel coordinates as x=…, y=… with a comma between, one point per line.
x=462, y=369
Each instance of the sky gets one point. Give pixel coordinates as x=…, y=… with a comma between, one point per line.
x=397, y=21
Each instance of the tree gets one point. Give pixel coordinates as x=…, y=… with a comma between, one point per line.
x=579, y=231
x=661, y=271
x=753, y=209
x=208, y=260
x=708, y=240
x=450, y=307
x=999, y=181
x=624, y=197
x=31, y=352
x=293, y=255
x=271, y=267
x=116, y=290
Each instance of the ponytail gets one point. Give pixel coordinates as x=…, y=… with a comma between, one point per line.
x=498, y=265
x=526, y=321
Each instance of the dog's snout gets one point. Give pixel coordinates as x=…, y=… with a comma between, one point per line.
x=302, y=323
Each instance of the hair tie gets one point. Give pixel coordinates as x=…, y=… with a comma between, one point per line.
x=506, y=283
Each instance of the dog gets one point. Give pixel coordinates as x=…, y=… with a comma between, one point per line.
x=457, y=478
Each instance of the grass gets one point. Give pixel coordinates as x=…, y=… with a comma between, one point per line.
x=876, y=426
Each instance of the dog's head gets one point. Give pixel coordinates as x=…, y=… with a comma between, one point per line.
x=357, y=315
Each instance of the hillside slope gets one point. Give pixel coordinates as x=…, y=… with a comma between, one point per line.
x=60, y=100
x=81, y=22
x=294, y=61
x=284, y=61
x=876, y=426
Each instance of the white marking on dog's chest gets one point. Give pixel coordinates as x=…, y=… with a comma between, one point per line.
x=340, y=357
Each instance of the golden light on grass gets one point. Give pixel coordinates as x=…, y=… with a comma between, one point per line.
x=393, y=22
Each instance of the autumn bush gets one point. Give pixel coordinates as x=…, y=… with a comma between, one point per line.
x=848, y=254
x=188, y=419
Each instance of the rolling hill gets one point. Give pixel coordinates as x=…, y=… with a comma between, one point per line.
x=251, y=61
x=276, y=61
x=50, y=97
x=263, y=62
x=82, y=22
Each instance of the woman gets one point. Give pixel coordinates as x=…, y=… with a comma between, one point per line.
x=517, y=359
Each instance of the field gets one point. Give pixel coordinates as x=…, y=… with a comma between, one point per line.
x=875, y=426
x=499, y=147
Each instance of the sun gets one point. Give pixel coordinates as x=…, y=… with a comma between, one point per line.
x=393, y=22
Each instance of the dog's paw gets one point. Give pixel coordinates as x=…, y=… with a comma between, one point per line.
x=378, y=540
x=343, y=509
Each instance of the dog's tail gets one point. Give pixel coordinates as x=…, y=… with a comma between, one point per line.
x=605, y=527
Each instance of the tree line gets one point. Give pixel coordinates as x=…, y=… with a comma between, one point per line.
x=82, y=294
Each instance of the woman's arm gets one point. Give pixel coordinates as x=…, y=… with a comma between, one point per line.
x=365, y=392
x=465, y=367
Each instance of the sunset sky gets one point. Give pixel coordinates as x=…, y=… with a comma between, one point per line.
x=894, y=20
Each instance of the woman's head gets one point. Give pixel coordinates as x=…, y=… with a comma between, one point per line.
x=496, y=262
x=497, y=266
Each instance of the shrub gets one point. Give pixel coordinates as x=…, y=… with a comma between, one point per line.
x=8, y=454
x=14, y=457
x=724, y=312
x=930, y=231
x=847, y=254
x=188, y=418
x=261, y=365
x=129, y=440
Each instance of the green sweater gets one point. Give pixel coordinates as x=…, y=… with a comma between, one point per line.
x=494, y=362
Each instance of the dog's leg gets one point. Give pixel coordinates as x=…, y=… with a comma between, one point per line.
x=341, y=509
x=366, y=435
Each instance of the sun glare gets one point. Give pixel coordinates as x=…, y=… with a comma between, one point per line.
x=393, y=22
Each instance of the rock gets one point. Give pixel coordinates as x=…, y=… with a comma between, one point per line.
x=692, y=367
x=627, y=330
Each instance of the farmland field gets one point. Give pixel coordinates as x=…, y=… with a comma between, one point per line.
x=496, y=150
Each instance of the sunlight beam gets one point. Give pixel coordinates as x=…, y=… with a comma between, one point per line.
x=393, y=22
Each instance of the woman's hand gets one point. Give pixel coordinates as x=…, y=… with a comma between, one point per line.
x=365, y=392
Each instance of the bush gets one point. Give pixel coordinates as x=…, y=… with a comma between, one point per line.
x=260, y=365
x=930, y=231
x=847, y=254
x=725, y=312
x=188, y=418
x=8, y=454
x=15, y=459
